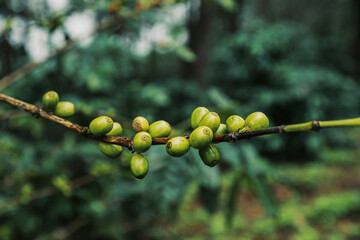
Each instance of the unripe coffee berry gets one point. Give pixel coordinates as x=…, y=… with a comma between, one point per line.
x=140, y=124
x=116, y=130
x=210, y=155
x=139, y=166
x=125, y=159
x=142, y=142
x=234, y=123
x=100, y=126
x=50, y=100
x=159, y=129
x=257, y=121
x=201, y=137
x=197, y=115
x=64, y=109
x=211, y=120
x=110, y=150
x=177, y=146
x=221, y=130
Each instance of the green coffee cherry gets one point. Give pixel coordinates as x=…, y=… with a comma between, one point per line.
x=159, y=129
x=140, y=124
x=201, y=137
x=197, y=115
x=125, y=159
x=257, y=121
x=221, y=130
x=101, y=125
x=116, y=130
x=210, y=155
x=64, y=109
x=139, y=166
x=50, y=100
x=142, y=142
x=211, y=120
x=177, y=146
x=234, y=123
x=110, y=150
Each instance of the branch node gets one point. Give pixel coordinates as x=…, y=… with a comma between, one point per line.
x=315, y=125
x=36, y=113
x=247, y=134
x=84, y=131
x=131, y=149
x=232, y=137
x=282, y=129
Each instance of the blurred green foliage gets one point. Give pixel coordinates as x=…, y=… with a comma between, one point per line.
x=286, y=68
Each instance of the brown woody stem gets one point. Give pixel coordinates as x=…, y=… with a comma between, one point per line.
x=38, y=111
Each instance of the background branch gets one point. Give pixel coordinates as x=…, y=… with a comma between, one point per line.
x=102, y=26
x=7, y=80
x=69, y=229
x=29, y=67
x=48, y=191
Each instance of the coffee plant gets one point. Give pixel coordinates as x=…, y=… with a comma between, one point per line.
x=203, y=122
x=178, y=119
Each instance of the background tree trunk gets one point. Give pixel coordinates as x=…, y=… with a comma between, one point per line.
x=356, y=43
x=198, y=26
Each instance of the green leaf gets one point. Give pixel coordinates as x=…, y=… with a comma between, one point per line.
x=185, y=53
x=228, y=5
x=258, y=172
x=232, y=198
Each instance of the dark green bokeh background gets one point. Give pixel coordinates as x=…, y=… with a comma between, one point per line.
x=293, y=60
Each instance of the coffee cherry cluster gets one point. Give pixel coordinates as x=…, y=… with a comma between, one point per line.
x=205, y=125
x=142, y=141
x=50, y=103
x=102, y=126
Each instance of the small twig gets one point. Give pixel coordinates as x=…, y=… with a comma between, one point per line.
x=48, y=191
x=68, y=230
x=7, y=80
